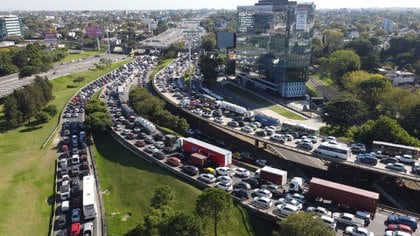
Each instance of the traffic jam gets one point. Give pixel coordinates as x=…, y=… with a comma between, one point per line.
x=267, y=189
x=204, y=103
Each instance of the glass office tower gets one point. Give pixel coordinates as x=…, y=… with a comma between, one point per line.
x=273, y=48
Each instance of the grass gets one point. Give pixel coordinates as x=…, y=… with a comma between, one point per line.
x=80, y=55
x=312, y=90
x=129, y=182
x=326, y=79
x=161, y=64
x=263, y=102
x=27, y=172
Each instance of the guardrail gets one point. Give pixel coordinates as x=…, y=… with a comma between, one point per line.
x=54, y=206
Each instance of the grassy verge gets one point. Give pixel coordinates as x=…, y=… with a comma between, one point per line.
x=27, y=172
x=161, y=64
x=312, y=90
x=128, y=182
x=262, y=102
x=80, y=55
x=326, y=79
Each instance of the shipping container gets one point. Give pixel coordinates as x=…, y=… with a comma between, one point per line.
x=273, y=175
x=197, y=160
x=266, y=120
x=217, y=155
x=170, y=140
x=356, y=198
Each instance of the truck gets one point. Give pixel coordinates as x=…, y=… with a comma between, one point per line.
x=348, y=196
x=197, y=160
x=216, y=155
x=267, y=120
x=276, y=176
x=149, y=126
x=235, y=108
x=296, y=184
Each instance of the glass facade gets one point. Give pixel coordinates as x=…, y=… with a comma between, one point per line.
x=273, y=48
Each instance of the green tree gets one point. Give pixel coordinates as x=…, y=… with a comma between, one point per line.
x=214, y=205
x=98, y=121
x=46, y=87
x=51, y=109
x=79, y=79
x=184, y=224
x=182, y=124
x=26, y=104
x=162, y=196
x=304, y=224
x=340, y=62
x=208, y=42
x=19, y=58
x=154, y=222
x=208, y=68
x=333, y=40
x=28, y=71
x=344, y=112
x=11, y=111
x=6, y=65
x=42, y=117
x=369, y=56
x=384, y=129
x=351, y=80
x=95, y=106
x=372, y=91
x=411, y=122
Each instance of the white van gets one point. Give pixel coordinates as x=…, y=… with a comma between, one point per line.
x=65, y=206
x=75, y=159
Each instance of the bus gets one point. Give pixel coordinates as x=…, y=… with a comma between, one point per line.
x=89, y=206
x=299, y=129
x=334, y=149
x=392, y=149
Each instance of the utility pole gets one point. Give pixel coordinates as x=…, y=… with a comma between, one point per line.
x=109, y=48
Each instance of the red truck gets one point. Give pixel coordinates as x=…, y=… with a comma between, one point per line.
x=217, y=155
x=273, y=175
x=197, y=160
x=356, y=198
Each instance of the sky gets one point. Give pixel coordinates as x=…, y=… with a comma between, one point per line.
x=9, y=5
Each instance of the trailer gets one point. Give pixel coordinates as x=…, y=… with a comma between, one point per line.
x=235, y=108
x=356, y=198
x=149, y=126
x=273, y=175
x=217, y=155
x=197, y=160
x=267, y=120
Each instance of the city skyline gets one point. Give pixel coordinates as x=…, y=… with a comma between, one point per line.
x=184, y=4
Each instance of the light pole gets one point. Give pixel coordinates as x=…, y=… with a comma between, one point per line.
x=109, y=47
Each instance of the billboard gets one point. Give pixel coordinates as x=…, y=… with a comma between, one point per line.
x=226, y=39
x=50, y=37
x=94, y=31
x=301, y=19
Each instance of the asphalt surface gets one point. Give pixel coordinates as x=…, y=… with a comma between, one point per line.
x=10, y=82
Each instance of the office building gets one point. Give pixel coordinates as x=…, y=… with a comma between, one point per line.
x=10, y=25
x=273, y=48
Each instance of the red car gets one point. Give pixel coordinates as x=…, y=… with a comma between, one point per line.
x=140, y=143
x=401, y=227
x=173, y=161
x=75, y=229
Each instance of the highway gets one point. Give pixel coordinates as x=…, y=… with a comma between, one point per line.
x=164, y=39
x=10, y=82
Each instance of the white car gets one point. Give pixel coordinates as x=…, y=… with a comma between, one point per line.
x=224, y=171
x=159, y=144
x=346, y=219
x=262, y=202
x=397, y=233
x=218, y=120
x=357, y=231
x=151, y=149
x=290, y=201
x=225, y=185
x=241, y=172
x=277, y=137
x=247, y=129
x=319, y=211
x=329, y=221
x=286, y=209
x=224, y=178
x=208, y=178
x=262, y=193
x=406, y=159
x=299, y=197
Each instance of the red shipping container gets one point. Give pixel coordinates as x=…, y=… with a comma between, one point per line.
x=217, y=155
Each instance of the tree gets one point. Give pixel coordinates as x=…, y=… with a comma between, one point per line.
x=411, y=122
x=28, y=71
x=208, y=42
x=98, y=121
x=42, y=117
x=214, y=205
x=384, y=129
x=333, y=40
x=154, y=222
x=51, y=109
x=79, y=79
x=184, y=224
x=351, y=80
x=372, y=91
x=344, y=112
x=95, y=106
x=304, y=224
x=11, y=111
x=162, y=196
x=25, y=103
x=340, y=62
x=6, y=65
x=182, y=124
x=369, y=56
x=208, y=67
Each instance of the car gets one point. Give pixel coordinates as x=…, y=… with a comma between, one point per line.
x=319, y=211
x=329, y=221
x=62, y=221
x=75, y=190
x=225, y=185
x=88, y=229
x=406, y=220
x=387, y=160
x=241, y=172
x=159, y=144
x=218, y=120
x=406, y=159
x=242, y=185
x=210, y=170
x=262, y=193
x=159, y=155
x=233, y=124
x=241, y=193
x=329, y=139
x=262, y=162
x=254, y=182
x=346, y=219
x=299, y=197
x=208, y=178
x=190, y=169
x=286, y=209
x=75, y=215
x=367, y=159
x=357, y=148
x=399, y=227
x=396, y=233
x=274, y=188
x=396, y=167
x=291, y=201
x=76, y=201
x=149, y=140
x=224, y=171
x=224, y=178
x=151, y=149
x=278, y=138
x=357, y=231
x=262, y=202
x=140, y=143
x=173, y=161
x=415, y=169
x=247, y=129
x=305, y=145
x=75, y=229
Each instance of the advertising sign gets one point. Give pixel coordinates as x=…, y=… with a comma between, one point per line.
x=226, y=40
x=50, y=37
x=94, y=31
x=301, y=19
